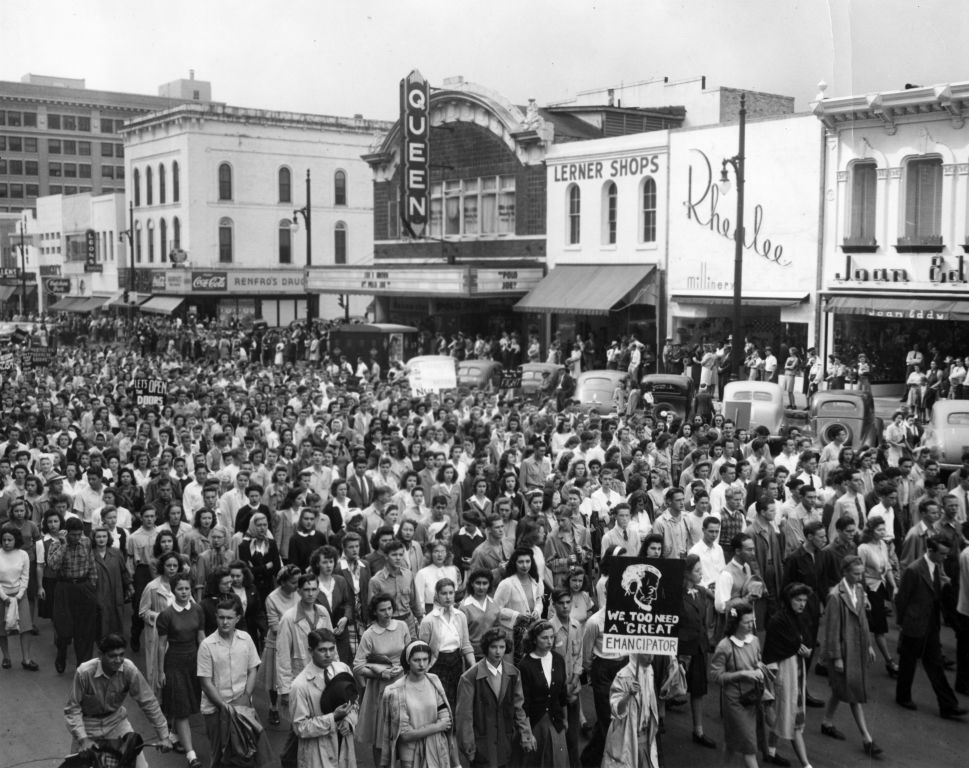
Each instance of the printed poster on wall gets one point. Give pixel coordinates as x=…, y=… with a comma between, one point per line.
x=644, y=601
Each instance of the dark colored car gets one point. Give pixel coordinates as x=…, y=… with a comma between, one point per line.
x=479, y=374
x=539, y=380
x=852, y=410
x=594, y=390
x=670, y=393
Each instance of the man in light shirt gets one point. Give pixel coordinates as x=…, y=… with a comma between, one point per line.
x=192, y=495
x=710, y=552
x=625, y=533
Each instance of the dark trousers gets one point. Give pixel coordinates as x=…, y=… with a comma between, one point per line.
x=140, y=581
x=572, y=734
x=601, y=675
x=929, y=650
x=75, y=619
x=962, y=653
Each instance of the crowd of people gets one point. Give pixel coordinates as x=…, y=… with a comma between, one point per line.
x=424, y=579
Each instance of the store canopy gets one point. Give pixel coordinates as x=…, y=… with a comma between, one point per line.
x=772, y=299
x=898, y=308
x=68, y=304
x=590, y=290
x=133, y=298
x=6, y=291
x=94, y=302
x=162, y=305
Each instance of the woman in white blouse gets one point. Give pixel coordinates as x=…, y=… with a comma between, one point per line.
x=880, y=564
x=438, y=567
x=520, y=593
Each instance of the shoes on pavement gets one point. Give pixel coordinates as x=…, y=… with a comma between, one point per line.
x=832, y=732
x=907, y=705
x=891, y=667
x=812, y=701
x=194, y=763
x=871, y=749
x=776, y=759
x=60, y=664
x=30, y=666
x=6, y=664
x=704, y=741
x=954, y=714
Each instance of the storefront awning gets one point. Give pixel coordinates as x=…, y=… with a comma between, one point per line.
x=590, y=290
x=897, y=308
x=162, y=305
x=6, y=291
x=68, y=304
x=772, y=299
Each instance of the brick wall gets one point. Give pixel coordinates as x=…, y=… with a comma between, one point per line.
x=467, y=151
x=758, y=104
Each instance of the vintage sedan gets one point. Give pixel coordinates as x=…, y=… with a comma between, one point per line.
x=670, y=393
x=752, y=404
x=539, y=380
x=479, y=374
x=947, y=433
x=852, y=410
x=594, y=390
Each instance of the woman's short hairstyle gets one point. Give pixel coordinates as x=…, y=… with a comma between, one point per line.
x=418, y=646
x=286, y=573
x=492, y=636
x=376, y=600
x=736, y=614
x=481, y=573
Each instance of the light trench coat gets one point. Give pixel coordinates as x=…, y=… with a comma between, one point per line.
x=320, y=743
x=292, y=644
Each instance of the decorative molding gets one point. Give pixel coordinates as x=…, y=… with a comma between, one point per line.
x=948, y=169
x=895, y=173
x=842, y=176
x=881, y=174
x=962, y=168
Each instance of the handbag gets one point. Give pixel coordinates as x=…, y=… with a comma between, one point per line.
x=755, y=695
x=11, y=617
x=674, y=686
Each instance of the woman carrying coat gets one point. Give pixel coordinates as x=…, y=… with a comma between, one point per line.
x=847, y=651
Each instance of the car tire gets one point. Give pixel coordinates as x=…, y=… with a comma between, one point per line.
x=830, y=430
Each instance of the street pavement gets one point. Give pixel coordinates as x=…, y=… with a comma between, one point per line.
x=33, y=734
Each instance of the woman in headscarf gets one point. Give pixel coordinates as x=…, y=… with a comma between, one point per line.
x=632, y=741
x=259, y=552
x=416, y=720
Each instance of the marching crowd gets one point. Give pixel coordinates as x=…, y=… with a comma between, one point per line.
x=424, y=579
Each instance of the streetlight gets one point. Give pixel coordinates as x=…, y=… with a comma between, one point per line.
x=129, y=233
x=23, y=268
x=307, y=215
x=737, y=161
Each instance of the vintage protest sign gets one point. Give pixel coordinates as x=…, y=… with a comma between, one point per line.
x=644, y=600
x=150, y=393
x=36, y=357
x=431, y=374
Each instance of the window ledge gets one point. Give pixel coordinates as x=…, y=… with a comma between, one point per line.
x=859, y=245
x=920, y=245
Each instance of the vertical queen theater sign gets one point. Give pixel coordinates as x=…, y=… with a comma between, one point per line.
x=415, y=131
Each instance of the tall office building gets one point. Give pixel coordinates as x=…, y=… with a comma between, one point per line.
x=59, y=137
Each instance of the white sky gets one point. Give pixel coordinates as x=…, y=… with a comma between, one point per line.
x=346, y=56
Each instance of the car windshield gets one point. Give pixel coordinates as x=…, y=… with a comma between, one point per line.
x=838, y=406
x=761, y=397
x=596, y=388
x=958, y=419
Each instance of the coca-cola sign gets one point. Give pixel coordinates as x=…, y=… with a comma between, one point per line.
x=210, y=281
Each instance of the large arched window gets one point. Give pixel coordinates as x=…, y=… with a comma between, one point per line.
x=138, y=242
x=340, y=243
x=648, y=230
x=163, y=239
x=225, y=182
x=340, y=188
x=161, y=185
x=610, y=200
x=175, y=182
x=574, y=216
x=176, y=231
x=285, y=232
x=285, y=185
x=148, y=185
x=151, y=240
x=225, y=241
x=136, y=183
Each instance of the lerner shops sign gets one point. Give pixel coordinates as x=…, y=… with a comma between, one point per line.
x=605, y=169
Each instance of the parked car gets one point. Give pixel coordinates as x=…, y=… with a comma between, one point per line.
x=947, y=432
x=594, y=390
x=670, y=393
x=539, y=380
x=850, y=409
x=752, y=404
x=479, y=374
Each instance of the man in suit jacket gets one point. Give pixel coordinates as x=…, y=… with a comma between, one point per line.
x=490, y=724
x=919, y=604
x=768, y=560
x=359, y=486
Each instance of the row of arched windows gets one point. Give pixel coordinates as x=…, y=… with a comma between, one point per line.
x=610, y=213
x=226, y=236
x=150, y=184
x=150, y=240
x=284, y=183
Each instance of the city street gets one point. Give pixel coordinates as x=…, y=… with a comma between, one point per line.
x=32, y=730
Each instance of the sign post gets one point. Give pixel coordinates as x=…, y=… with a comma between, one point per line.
x=644, y=600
